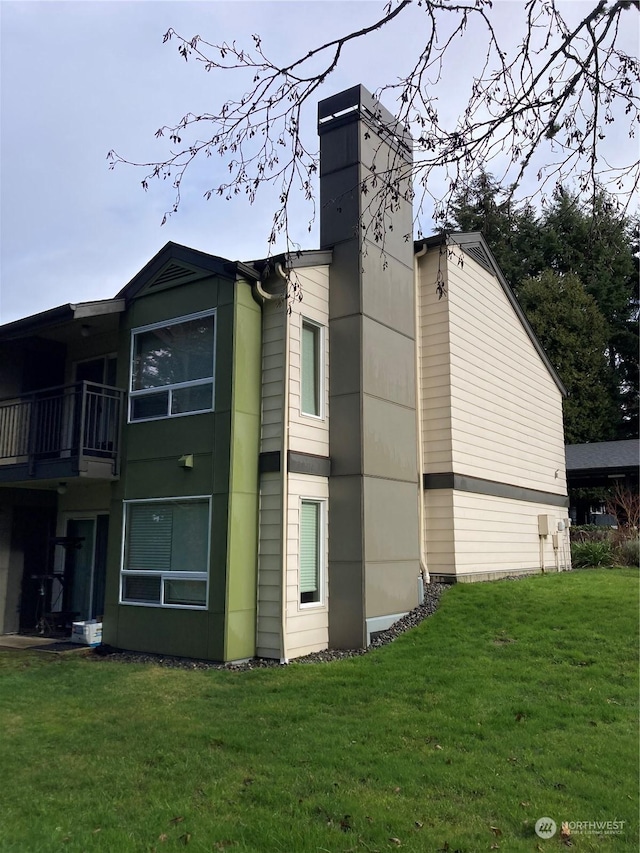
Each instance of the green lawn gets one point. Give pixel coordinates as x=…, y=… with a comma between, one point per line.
x=517, y=700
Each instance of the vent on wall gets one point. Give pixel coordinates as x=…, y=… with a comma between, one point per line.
x=478, y=254
x=174, y=273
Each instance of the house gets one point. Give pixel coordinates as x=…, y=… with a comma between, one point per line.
x=220, y=472
x=595, y=469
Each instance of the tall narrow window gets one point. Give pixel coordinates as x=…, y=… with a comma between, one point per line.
x=311, y=376
x=310, y=551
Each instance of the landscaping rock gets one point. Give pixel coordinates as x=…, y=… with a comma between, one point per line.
x=432, y=593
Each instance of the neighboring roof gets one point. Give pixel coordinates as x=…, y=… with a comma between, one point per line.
x=474, y=245
x=601, y=455
x=59, y=316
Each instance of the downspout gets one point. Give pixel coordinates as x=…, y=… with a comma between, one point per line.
x=424, y=571
x=284, y=472
x=265, y=297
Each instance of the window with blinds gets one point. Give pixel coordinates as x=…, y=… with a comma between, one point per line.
x=311, y=379
x=166, y=552
x=311, y=525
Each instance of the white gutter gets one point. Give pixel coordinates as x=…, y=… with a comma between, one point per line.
x=420, y=450
x=284, y=472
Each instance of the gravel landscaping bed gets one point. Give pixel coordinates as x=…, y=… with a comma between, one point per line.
x=432, y=593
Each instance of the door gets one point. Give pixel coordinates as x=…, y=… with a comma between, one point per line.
x=85, y=566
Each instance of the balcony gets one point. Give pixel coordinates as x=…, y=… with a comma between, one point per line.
x=61, y=433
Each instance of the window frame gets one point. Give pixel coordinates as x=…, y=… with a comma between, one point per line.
x=165, y=575
x=176, y=386
x=319, y=377
x=321, y=503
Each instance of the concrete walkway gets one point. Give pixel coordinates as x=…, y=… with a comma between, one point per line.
x=21, y=641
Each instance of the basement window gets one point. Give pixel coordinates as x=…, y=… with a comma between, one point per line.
x=172, y=368
x=166, y=553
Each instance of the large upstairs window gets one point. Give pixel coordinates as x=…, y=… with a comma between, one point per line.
x=172, y=368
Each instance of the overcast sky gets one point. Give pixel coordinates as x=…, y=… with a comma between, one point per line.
x=80, y=78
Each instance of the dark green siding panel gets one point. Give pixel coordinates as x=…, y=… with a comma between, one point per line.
x=150, y=469
x=215, y=649
x=224, y=358
x=221, y=459
x=155, y=306
x=218, y=565
x=164, y=478
x=170, y=437
x=184, y=633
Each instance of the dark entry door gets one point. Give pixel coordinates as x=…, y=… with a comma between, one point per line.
x=85, y=567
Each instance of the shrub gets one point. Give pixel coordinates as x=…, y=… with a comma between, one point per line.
x=586, y=555
x=628, y=553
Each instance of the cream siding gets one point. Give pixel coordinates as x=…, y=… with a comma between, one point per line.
x=506, y=409
x=309, y=434
x=269, y=566
x=273, y=326
x=435, y=369
x=493, y=535
x=306, y=626
x=490, y=410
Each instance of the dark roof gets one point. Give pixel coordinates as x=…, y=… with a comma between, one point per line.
x=476, y=247
x=58, y=316
x=176, y=263
x=603, y=455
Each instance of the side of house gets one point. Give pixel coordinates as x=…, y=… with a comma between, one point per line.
x=492, y=424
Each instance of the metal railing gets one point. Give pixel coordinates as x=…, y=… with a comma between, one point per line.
x=80, y=420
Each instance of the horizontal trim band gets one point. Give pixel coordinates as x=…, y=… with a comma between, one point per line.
x=298, y=463
x=463, y=483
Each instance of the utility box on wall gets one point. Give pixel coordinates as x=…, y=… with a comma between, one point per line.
x=546, y=525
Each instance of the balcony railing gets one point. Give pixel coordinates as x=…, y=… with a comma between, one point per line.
x=78, y=423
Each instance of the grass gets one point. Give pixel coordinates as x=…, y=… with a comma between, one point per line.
x=515, y=701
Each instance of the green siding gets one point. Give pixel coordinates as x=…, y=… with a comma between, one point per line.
x=225, y=447
x=242, y=550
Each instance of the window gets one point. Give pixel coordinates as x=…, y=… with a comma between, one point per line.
x=166, y=552
x=311, y=551
x=172, y=368
x=311, y=369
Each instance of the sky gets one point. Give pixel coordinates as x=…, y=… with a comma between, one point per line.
x=81, y=78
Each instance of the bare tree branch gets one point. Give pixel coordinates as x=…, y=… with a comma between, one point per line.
x=541, y=110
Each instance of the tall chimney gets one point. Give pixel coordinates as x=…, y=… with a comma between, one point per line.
x=373, y=513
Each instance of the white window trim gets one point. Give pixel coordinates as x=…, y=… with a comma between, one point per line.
x=322, y=552
x=165, y=575
x=307, y=321
x=178, y=385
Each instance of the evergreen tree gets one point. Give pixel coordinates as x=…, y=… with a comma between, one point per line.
x=573, y=332
x=600, y=249
x=512, y=231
